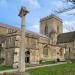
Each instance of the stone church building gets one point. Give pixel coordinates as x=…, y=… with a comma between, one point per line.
x=39, y=46
x=67, y=40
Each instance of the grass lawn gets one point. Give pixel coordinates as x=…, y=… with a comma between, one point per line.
x=64, y=69
x=8, y=74
x=4, y=67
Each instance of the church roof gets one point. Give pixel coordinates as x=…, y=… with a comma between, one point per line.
x=50, y=17
x=34, y=34
x=8, y=26
x=66, y=37
x=28, y=33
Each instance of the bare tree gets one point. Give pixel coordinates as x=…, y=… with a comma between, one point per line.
x=69, y=27
x=58, y=11
x=69, y=7
x=72, y=1
x=63, y=10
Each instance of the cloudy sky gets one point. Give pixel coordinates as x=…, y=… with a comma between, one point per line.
x=9, y=10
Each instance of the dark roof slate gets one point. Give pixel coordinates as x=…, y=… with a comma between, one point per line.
x=66, y=37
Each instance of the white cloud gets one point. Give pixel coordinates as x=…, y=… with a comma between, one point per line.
x=71, y=13
x=62, y=5
x=34, y=3
x=69, y=26
x=34, y=28
x=59, y=4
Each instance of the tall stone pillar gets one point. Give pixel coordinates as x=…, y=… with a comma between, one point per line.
x=22, y=14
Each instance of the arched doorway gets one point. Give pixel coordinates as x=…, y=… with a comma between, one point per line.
x=27, y=56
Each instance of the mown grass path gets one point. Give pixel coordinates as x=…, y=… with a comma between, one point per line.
x=62, y=69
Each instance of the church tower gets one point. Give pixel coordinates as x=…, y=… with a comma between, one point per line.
x=51, y=26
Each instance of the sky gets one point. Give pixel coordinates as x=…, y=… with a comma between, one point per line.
x=9, y=10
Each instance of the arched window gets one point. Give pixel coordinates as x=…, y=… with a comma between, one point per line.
x=46, y=30
x=45, y=51
x=57, y=28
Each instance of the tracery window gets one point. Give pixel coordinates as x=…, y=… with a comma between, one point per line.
x=46, y=30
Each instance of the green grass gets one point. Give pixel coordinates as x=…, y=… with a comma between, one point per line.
x=47, y=62
x=8, y=74
x=4, y=67
x=64, y=69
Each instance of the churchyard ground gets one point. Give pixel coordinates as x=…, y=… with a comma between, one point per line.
x=63, y=69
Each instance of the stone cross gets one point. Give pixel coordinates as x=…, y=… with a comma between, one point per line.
x=23, y=12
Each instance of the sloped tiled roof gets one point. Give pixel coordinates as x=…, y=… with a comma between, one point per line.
x=66, y=37
x=8, y=26
x=28, y=33
x=35, y=34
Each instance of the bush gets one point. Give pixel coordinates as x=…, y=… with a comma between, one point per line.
x=73, y=60
x=47, y=62
x=1, y=60
x=5, y=67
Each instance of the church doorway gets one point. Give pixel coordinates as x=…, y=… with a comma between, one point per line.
x=27, y=57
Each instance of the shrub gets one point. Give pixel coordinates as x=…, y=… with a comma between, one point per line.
x=48, y=62
x=1, y=60
x=73, y=60
x=5, y=67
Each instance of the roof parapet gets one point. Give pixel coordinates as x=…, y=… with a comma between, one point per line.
x=49, y=17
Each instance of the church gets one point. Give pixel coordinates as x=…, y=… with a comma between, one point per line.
x=45, y=46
